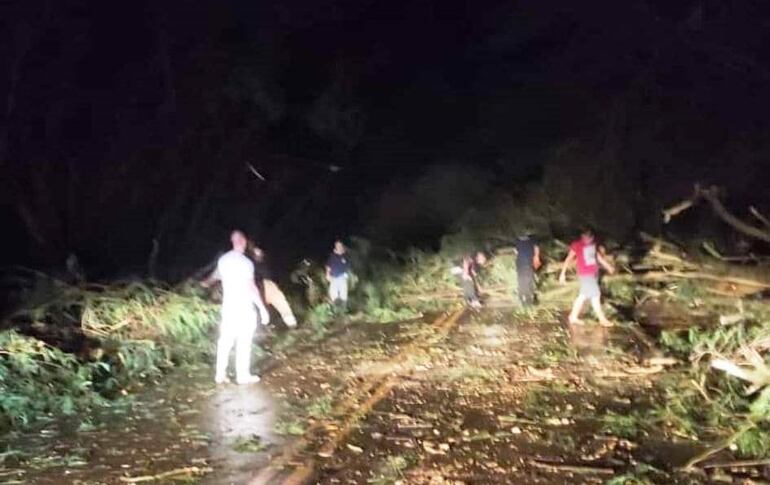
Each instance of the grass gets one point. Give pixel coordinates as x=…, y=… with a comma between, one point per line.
x=249, y=444
x=320, y=407
x=289, y=426
x=399, y=288
x=139, y=331
x=555, y=353
x=642, y=474
x=628, y=426
x=469, y=373
x=391, y=470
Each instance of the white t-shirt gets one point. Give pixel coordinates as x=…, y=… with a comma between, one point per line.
x=236, y=272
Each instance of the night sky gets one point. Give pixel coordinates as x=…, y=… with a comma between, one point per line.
x=127, y=121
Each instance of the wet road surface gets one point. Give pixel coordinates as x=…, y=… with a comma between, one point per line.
x=187, y=422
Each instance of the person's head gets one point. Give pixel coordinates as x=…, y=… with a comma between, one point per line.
x=587, y=235
x=527, y=232
x=239, y=240
x=339, y=247
x=480, y=257
x=259, y=255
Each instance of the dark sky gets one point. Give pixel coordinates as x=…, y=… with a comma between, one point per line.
x=122, y=119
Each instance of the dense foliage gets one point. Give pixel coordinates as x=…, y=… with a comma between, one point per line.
x=133, y=333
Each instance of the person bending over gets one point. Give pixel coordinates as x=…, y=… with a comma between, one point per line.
x=271, y=293
x=588, y=258
x=469, y=272
x=240, y=303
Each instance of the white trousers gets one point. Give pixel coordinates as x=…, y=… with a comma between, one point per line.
x=338, y=288
x=239, y=322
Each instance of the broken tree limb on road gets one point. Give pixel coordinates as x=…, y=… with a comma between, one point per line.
x=758, y=376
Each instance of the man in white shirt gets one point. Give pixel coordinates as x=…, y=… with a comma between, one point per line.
x=240, y=302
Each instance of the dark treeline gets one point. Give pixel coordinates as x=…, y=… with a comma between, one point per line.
x=124, y=123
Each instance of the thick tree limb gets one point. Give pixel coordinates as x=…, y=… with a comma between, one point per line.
x=711, y=195
x=676, y=209
x=690, y=465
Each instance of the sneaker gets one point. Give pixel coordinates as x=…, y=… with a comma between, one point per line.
x=221, y=380
x=252, y=379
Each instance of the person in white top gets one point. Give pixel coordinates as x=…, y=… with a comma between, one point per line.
x=240, y=302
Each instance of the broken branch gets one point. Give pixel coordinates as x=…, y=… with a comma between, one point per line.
x=711, y=195
x=191, y=470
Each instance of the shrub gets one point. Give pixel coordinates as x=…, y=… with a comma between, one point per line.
x=142, y=331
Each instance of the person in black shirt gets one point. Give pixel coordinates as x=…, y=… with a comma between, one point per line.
x=527, y=262
x=337, y=274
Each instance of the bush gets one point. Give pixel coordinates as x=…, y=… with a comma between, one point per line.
x=712, y=404
x=141, y=330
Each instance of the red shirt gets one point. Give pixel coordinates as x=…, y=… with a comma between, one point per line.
x=586, y=258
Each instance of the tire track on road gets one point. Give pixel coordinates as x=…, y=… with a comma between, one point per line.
x=373, y=389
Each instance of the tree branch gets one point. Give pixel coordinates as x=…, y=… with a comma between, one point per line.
x=711, y=195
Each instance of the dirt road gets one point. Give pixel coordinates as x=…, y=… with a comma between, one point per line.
x=460, y=397
x=493, y=397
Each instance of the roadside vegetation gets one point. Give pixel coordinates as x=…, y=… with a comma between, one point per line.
x=700, y=321
x=693, y=331
x=73, y=347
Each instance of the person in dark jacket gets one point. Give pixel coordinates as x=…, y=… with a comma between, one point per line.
x=527, y=263
x=337, y=274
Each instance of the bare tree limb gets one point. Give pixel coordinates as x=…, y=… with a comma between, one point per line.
x=711, y=195
x=677, y=209
x=759, y=376
x=764, y=220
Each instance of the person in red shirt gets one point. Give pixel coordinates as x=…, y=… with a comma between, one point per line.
x=588, y=258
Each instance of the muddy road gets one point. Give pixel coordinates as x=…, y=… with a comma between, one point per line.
x=493, y=397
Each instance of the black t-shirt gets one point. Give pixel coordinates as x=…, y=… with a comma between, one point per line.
x=525, y=252
x=338, y=264
x=261, y=271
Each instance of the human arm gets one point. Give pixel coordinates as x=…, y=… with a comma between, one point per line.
x=536, y=263
x=600, y=256
x=567, y=261
x=468, y=272
x=264, y=315
x=210, y=279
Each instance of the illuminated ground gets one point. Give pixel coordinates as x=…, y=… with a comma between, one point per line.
x=495, y=397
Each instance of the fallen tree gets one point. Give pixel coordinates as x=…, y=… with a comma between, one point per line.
x=711, y=195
